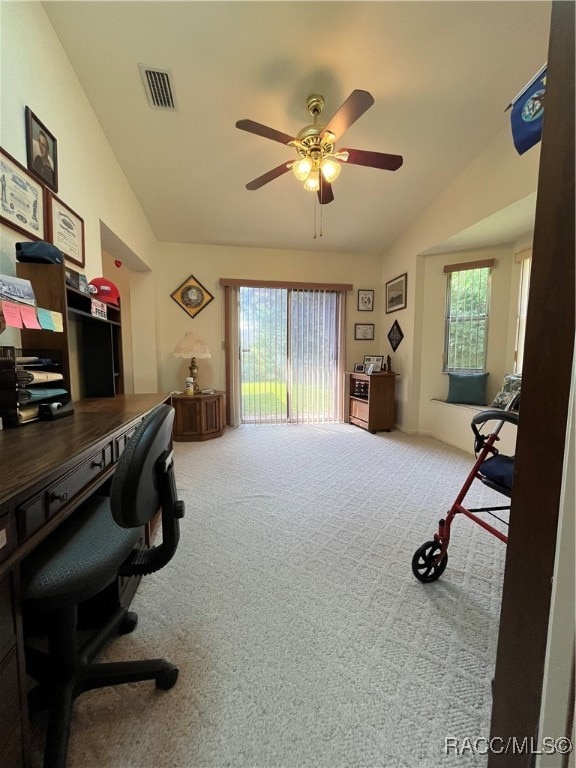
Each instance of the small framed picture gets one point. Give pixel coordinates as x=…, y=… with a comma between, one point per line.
x=192, y=296
x=365, y=300
x=364, y=331
x=41, y=151
x=358, y=367
x=396, y=293
x=375, y=362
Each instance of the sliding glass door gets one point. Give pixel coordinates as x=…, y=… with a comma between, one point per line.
x=289, y=354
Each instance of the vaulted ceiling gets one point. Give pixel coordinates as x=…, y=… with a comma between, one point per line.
x=441, y=74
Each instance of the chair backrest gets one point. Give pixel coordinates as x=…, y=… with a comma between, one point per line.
x=143, y=483
x=135, y=496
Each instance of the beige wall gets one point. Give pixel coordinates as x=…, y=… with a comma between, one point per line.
x=209, y=263
x=34, y=71
x=496, y=179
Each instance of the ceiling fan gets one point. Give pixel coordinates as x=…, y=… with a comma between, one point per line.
x=318, y=161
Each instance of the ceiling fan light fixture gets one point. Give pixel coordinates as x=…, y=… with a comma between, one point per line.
x=312, y=183
x=302, y=168
x=330, y=169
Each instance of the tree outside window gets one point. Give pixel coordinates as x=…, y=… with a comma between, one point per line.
x=467, y=311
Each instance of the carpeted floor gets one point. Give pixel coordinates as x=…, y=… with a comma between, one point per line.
x=302, y=637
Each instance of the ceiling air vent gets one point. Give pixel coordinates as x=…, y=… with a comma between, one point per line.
x=158, y=87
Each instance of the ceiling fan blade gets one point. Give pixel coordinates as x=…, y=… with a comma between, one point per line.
x=353, y=108
x=269, y=176
x=263, y=130
x=325, y=193
x=373, y=159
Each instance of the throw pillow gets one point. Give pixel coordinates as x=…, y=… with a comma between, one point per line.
x=510, y=387
x=467, y=388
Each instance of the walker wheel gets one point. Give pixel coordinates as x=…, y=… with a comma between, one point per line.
x=424, y=566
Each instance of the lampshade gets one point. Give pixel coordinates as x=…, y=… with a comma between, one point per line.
x=330, y=169
x=312, y=183
x=191, y=346
x=302, y=168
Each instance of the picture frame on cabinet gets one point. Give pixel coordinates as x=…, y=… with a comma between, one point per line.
x=41, y=151
x=358, y=367
x=364, y=331
x=66, y=230
x=377, y=361
x=22, y=199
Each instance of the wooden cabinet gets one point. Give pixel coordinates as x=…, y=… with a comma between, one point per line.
x=371, y=401
x=198, y=417
x=13, y=709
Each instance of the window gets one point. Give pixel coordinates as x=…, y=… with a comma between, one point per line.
x=522, y=310
x=467, y=310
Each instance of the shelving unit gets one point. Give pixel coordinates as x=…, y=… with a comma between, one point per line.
x=371, y=401
x=88, y=351
x=98, y=349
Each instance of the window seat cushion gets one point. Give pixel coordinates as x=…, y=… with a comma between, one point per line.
x=467, y=388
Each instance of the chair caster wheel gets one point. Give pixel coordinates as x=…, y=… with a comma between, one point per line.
x=128, y=624
x=167, y=678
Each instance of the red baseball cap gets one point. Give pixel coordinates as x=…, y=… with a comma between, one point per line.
x=105, y=290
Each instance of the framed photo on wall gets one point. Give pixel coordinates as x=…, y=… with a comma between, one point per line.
x=192, y=296
x=364, y=331
x=396, y=293
x=22, y=199
x=41, y=151
x=66, y=230
x=365, y=300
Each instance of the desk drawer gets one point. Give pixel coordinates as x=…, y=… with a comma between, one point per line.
x=123, y=440
x=34, y=512
x=8, y=535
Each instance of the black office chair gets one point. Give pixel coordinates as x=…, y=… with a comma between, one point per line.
x=84, y=556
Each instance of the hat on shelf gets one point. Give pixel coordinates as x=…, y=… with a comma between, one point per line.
x=104, y=289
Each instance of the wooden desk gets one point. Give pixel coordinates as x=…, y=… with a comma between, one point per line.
x=48, y=468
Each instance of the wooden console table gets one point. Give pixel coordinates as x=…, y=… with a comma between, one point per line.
x=198, y=417
x=48, y=469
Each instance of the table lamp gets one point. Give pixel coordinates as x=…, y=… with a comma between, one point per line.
x=193, y=347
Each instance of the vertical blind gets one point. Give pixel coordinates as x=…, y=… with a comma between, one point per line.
x=289, y=354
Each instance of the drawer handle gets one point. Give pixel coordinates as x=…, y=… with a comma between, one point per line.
x=62, y=497
x=98, y=464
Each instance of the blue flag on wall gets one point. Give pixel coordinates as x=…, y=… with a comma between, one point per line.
x=528, y=113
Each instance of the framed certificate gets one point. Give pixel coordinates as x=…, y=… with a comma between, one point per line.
x=66, y=230
x=22, y=199
x=364, y=331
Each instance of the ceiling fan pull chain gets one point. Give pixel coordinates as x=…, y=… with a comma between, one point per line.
x=320, y=200
x=314, y=219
